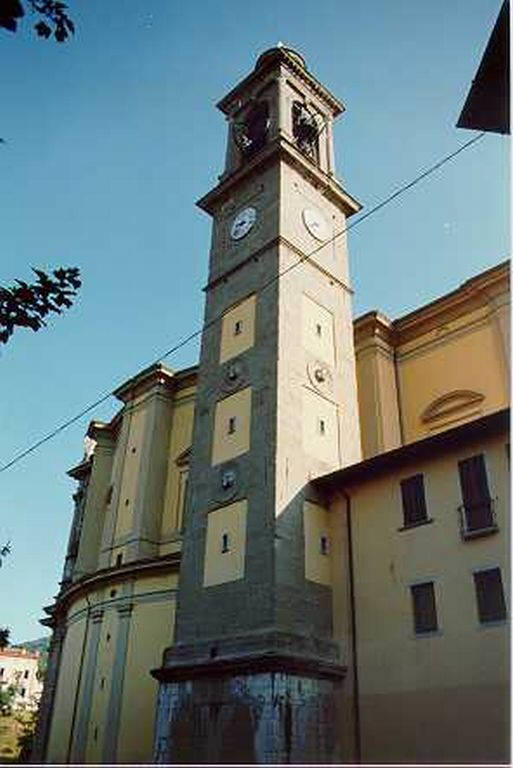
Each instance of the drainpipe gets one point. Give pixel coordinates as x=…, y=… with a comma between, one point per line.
x=356, y=690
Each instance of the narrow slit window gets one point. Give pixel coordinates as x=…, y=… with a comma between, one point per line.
x=318, y=329
x=225, y=543
x=238, y=328
x=322, y=427
x=232, y=424
x=324, y=545
x=119, y=559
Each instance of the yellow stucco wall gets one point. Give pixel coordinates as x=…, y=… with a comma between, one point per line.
x=441, y=696
x=233, y=343
x=151, y=631
x=463, y=357
x=64, y=702
x=130, y=472
x=98, y=721
x=225, y=445
x=220, y=566
x=317, y=525
x=179, y=441
x=453, y=354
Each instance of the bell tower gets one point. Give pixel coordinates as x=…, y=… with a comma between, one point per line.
x=254, y=674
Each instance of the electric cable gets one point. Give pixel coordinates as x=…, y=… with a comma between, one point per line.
x=187, y=339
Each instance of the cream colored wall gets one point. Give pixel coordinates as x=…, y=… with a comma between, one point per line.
x=323, y=445
x=151, y=625
x=421, y=695
x=221, y=567
x=64, y=702
x=150, y=632
x=179, y=441
x=227, y=446
x=95, y=510
x=460, y=356
x=317, y=330
x=377, y=399
x=234, y=344
x=130, y=471
x=98, y=722
x=316, y=524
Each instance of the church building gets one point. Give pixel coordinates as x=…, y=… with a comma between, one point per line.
x=296, y=551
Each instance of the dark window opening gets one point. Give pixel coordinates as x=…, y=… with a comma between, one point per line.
x=424, y=608
x=119, y=559
x=477, y=509
x=23, y=692
x=238, y=328
x=231, y=425
x=414, y=500
x=322, y=426
x=324, y=545
x=26, y=674
x=318, y=329
x=225, y=543
x=491, y=605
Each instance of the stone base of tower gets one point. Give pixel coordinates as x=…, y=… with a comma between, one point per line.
x=265, y=708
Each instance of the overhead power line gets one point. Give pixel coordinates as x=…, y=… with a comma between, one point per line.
x=187, y=339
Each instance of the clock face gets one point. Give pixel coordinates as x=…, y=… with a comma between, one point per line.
x=316, y=224
x=242, y=223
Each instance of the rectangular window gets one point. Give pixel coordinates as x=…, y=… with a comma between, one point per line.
x=318, y=329
x=322, y=426
x=414, y=500
x=26, y=674
x=424, y=608
x=490, y=596
x=231, y=425
x=477, y=513
x=23, y=692
x=237, y=328
x=225, y=543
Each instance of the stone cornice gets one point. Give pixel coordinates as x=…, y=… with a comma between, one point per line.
x=252, y=664
x=82, y=470
x=155, y=375
x=472, y=294
x=276, y=58
x=267, y=247
x=373, y=325
x=104, y=577
x=475, y=293
x=281, y=148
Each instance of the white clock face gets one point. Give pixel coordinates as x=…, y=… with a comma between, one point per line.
x=242, y=223
x=316, y=224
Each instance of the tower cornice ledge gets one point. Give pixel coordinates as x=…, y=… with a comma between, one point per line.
x=265, y=63
x=251, y=664
x=282, y=149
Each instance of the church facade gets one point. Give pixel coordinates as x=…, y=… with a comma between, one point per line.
x=297, y=550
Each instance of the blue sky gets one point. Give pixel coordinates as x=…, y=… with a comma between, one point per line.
x=112, y=137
